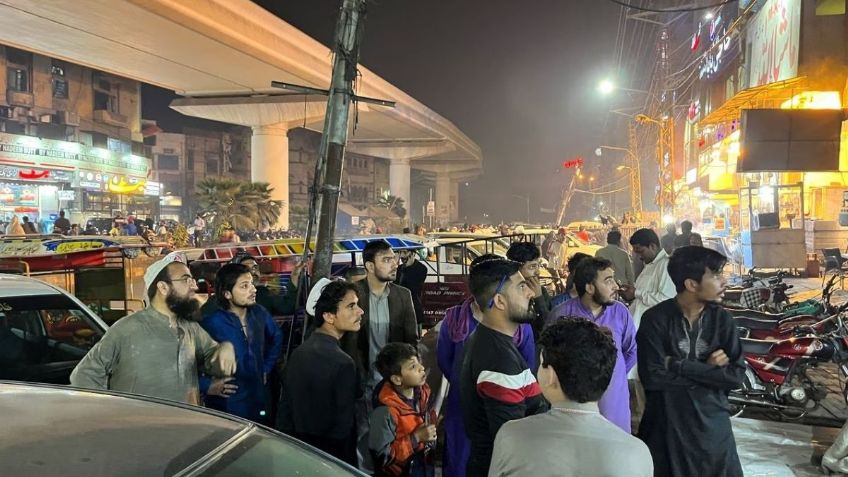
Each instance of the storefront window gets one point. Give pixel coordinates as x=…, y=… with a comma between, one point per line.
x=99, y=202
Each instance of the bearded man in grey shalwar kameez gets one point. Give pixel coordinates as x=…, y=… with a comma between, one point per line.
x=158, y=351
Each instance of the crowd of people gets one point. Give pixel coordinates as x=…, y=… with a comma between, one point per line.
x=536, y=384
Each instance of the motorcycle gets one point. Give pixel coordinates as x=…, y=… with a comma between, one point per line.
x=759, y=292
x=776, y=372
x=756, y=326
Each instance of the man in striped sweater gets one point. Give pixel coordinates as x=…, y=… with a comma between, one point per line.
x=496, y=384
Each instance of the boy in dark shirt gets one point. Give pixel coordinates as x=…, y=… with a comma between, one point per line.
x=402, y=425
x=496, y=384
x=320, y=385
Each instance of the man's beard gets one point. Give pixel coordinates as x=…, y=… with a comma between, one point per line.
x=385, y=278
x=516, y=316
x=599, y=299
x=184, y=307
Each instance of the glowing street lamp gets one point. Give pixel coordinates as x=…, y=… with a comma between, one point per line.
x=606, y=87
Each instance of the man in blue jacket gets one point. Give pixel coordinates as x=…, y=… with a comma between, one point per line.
x=257, y=340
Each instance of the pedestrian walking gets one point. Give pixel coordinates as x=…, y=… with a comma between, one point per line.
x=199, y=228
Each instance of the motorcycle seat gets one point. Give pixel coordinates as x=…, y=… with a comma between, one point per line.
x=755, y=324
x=760, y=315
x=756, y=346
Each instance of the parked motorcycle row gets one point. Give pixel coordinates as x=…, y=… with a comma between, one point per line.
x=780, y=349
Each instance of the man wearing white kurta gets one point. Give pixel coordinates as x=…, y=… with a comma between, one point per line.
x=654, y=285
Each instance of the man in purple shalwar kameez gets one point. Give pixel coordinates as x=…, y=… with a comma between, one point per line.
x=594, y=279
x=457, y=326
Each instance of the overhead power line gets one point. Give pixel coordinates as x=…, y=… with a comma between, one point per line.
x=670, y=10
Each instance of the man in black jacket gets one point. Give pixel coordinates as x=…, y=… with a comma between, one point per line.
x=389, y=315
x=412, y=274
x=320, y=382
x=690, y=358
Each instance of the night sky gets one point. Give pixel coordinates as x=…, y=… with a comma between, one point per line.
x=518, y=78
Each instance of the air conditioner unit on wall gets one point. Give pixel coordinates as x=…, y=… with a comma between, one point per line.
x=20, y=114
x=68, y=118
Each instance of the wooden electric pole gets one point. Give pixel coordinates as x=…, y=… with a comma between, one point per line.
x=330, y=162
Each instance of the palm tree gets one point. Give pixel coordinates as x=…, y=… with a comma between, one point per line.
x=241, y=205
x=393, y=203
x=267, y=209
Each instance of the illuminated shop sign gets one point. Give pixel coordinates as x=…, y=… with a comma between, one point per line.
x=32, y=152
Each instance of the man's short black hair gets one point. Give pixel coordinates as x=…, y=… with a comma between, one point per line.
x=390, y=359
x=614, y=237
x=226, y=279
x=484, y=258
x=645, y=238
x=587, y=272
x=686, y=226
x=331, y=296
x=372, y=249
x=523, y=252
x=242, y=256
x=583, y=357
x=692, y=262
x=571, y=265
x=484, y=278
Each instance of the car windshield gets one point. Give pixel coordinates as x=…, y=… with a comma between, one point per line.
x=42, y=337
x=264, y=454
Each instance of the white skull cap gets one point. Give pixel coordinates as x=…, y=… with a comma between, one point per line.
x=315, y=293
x=154, y=269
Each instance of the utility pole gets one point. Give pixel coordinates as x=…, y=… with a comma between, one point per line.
x=567, y=193
x=346, y=51
x=635, y=170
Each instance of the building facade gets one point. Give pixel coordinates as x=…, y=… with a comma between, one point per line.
x=182, y=160
x=764, y=64
x=70, y=138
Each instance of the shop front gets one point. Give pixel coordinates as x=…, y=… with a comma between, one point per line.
x=40, y=177
x=779, y=214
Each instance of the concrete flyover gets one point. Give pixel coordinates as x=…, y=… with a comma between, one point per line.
x=222, y=56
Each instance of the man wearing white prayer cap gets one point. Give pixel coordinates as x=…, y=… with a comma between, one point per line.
x=320, y=382
x=159, y=350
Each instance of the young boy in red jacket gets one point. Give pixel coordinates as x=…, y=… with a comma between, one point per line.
x=403, y=426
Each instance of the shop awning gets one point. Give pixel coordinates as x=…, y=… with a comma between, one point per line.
x=759, y=97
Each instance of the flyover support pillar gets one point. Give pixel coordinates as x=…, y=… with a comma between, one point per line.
x=269, y=162
x=454, y=201
x=399, y=181
x=443, y=191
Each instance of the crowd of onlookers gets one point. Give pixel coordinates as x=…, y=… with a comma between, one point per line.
x=536, y=384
